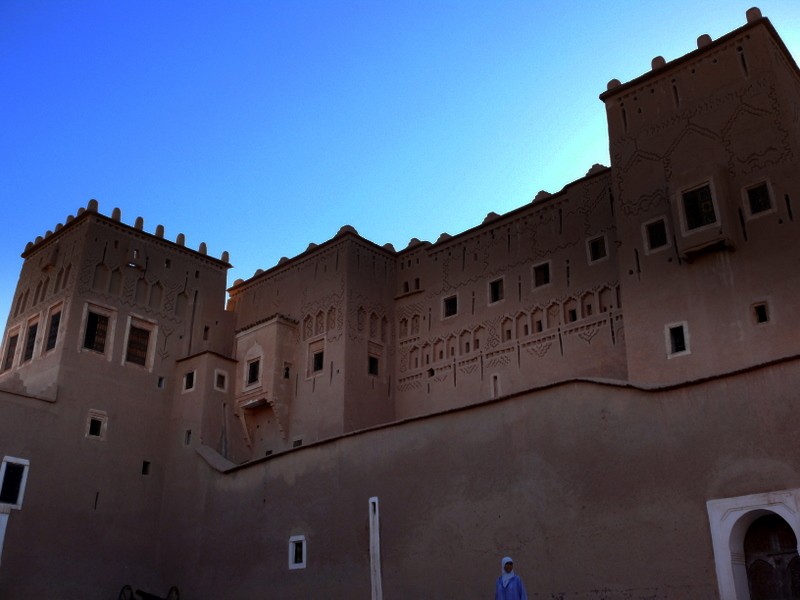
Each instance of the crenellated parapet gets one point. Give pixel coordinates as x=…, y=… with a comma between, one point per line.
x=116, y=216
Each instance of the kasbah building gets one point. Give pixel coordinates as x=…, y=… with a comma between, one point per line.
x=601, y=383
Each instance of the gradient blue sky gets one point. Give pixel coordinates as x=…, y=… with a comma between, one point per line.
x=259, y=127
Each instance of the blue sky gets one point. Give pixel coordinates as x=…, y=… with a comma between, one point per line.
x=259, y=127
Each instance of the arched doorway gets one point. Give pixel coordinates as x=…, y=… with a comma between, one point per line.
x=773, y=565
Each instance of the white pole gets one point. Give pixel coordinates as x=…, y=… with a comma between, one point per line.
x=375, y=549
x=4, y=511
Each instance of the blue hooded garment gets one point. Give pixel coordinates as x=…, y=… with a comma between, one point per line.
x=509, y=586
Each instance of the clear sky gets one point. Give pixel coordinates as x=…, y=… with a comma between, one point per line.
x=261, y=126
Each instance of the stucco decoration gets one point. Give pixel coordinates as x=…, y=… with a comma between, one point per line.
x=540, y=347
x=469, y=365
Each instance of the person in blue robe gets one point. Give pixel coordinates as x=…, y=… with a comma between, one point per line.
x=509, y=585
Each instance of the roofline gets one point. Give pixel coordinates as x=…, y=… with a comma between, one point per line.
x=624, y=87
x=602, y=170
x=343, y=233
x=83, y=214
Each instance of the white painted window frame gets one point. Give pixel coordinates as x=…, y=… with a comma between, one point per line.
x=152, y=328
x=217, y=373
x=106, y=311
x=37, y=340
x=17, y=330
x=746, y=200
x=314, y=346
x=648, y=250
x=98, y=415
x=249, y=385
x=58, y=307
x=292, y=544
x=19, y=461
x=686, y=339
x=685, y=231
x=184, y=389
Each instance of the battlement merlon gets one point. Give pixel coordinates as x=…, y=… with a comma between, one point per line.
x=661, y=69
x=138, y=228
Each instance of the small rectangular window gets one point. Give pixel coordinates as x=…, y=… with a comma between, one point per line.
x=760, y=312
x=541, y=274
x=496, y=292
x=677, y=339
x=138, y=342
x=30, y=340
x=372, y=365
x=450, y=306
x=253, y=371
x=698, y=207
x=52, y=330
x=318, y=361
x=13, y=478
x=572, y=315
x=145, y=467
x=315, y=358
x=297, y=552
x=656, y=233
x=11, y=350
x=96, y=331
x=220, y=380
x=188, y=381
x=95, y=426
x=597, y=248
x=758, y=199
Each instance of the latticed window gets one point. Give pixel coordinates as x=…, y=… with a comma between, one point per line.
x=29, y=341
x=11, y=349
x=52, y=331
x=138, y=341
x=698, y=207
x=96, y=331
